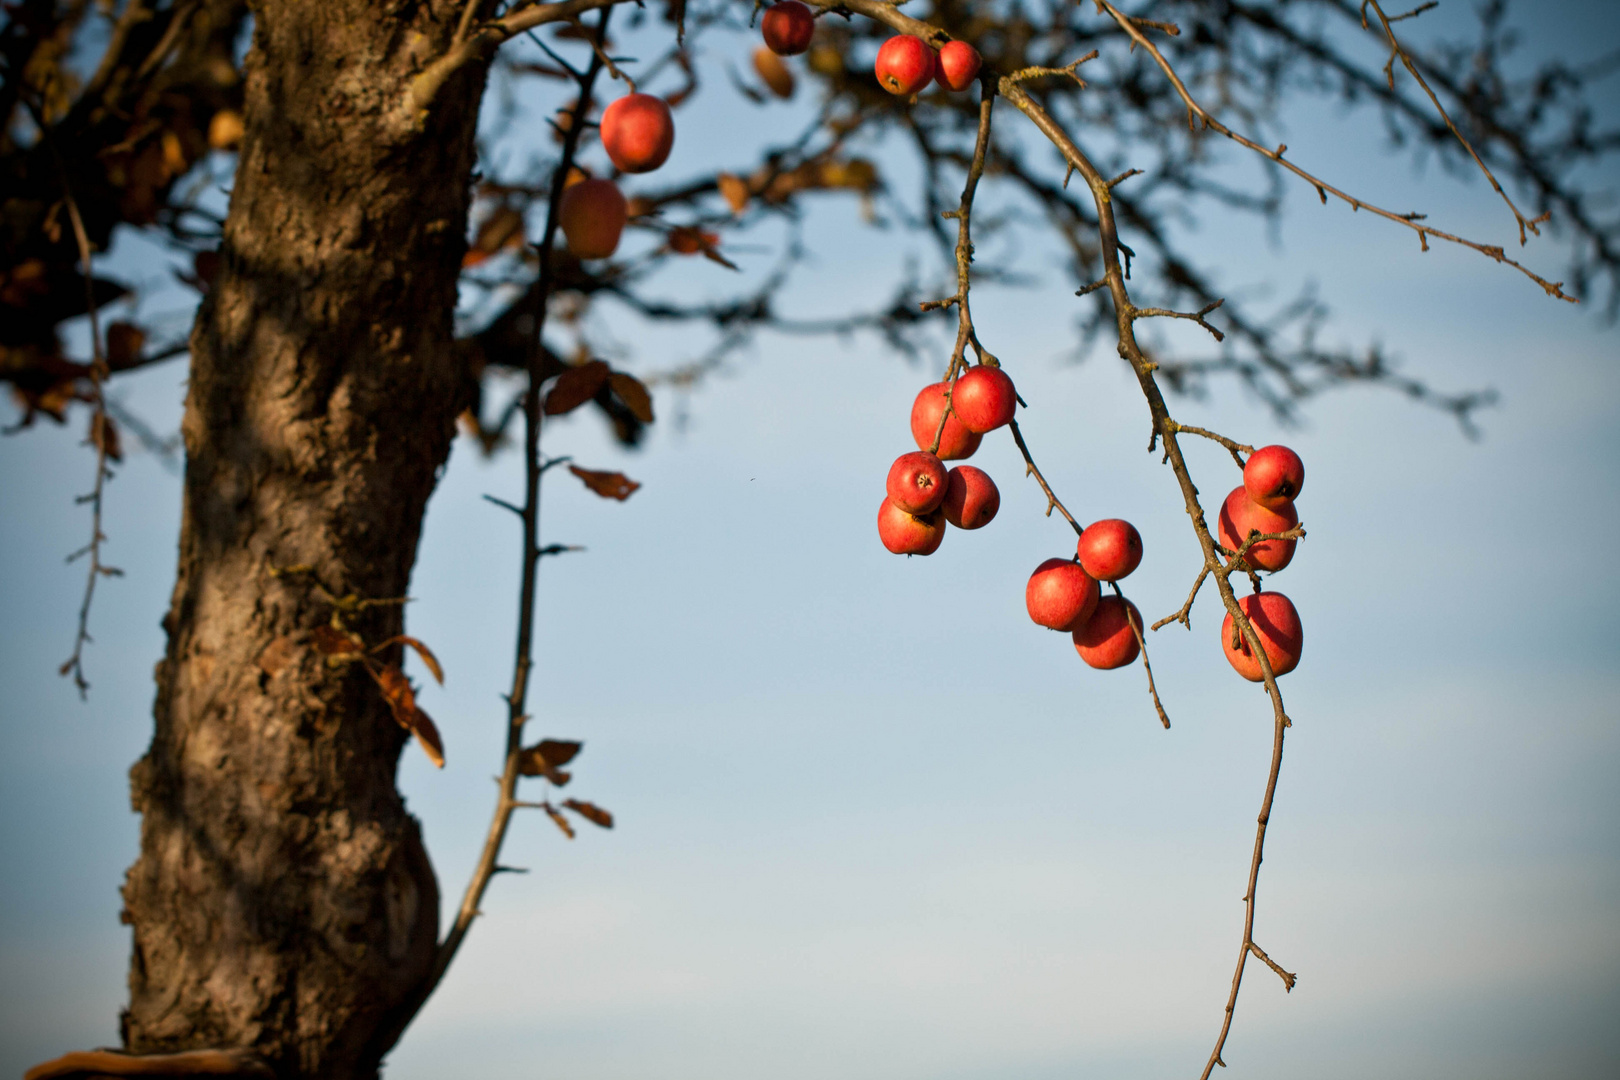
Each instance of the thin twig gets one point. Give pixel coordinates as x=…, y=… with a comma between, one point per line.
x=1031, y=469
x=506, y=802
x=1396, y=50
x=100, y=434
x=964, y=258
x=1141, y=643
x=1197, y=112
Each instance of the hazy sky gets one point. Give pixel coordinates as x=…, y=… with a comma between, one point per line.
x=873, y=823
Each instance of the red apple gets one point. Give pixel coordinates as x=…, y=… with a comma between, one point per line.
x=905, y=64
x=637, y=132
x=1276, y=624
x=1240, y=515
x=787, y=27
x=1106, y=640
x=592, y=215
x=958, y=65
x=957, y=442
x=917, y=482
x=971, y=497
x=1273, y=476
x=1110, y=550
x=908, y=534
x=984, y=398
x=1061, y=595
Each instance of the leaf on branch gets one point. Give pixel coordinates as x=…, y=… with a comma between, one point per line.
x=546, y=758
x=501, y=230
x=225, y=130
x=561, y=822
x=575, y=386
x=631, y=391
x=104, y=436
x=422, y=650
x=124, y=343
x=774, y=72
x=609, y=485
x=52, y=401
x=590, y=812
x=560, y=751
x=734, y=189
x=337, y=644
x=396, y=690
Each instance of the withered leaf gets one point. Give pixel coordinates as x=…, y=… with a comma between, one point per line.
x=609, y=485
x=559, y=751
x=336, y=643
x=774, y=72
x=124, y=343
x=534, y=761
x=422, y=650
x=501, y=230
x=225, y=130
x=104, y=436
x=52, y=401
x=714, y=256
x=590, y=812
x=396, y=690
x=575, y=386
x=633, y=393
x=561, y=822
x=734, y=189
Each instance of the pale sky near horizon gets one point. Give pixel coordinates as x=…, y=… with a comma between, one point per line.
x=872, y=823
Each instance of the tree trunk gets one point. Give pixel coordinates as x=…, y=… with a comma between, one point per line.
x=282, y=899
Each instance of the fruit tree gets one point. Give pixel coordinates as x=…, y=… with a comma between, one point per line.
x=286, y=917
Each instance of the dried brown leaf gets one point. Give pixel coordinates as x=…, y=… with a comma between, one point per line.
x=774, y=72
x=124, y=343
x=561, y=822
x=422, y=650
x=532, y=761
x=590, y=812
x=714, y=256
x=633, y=393
x=104, y=436
x=560, y=751
x=501, y=230
x=225, y=130
x=734, y=189
x=575, y=386
x=396, y=690
x=609, y=485
x=336, y=643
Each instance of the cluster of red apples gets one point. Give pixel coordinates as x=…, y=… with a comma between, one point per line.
x=905, y=65
x=1264, y=504
x=922, y=496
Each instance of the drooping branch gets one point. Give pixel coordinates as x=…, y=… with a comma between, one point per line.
x=1126, y=315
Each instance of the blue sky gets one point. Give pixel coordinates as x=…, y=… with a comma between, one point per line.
x=872, y=821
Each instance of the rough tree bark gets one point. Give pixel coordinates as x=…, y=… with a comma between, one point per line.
x=282, y=899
